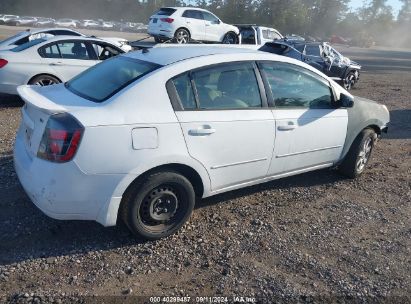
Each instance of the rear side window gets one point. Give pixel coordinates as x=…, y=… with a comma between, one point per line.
x=293, y=86
x=165, y=11
x=109, y=77
x=193, y=14
x=184, y=90
x=50, y=51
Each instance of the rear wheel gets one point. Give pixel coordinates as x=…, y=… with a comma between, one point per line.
x=44, y=80
x=359, y=154
x=230, y=38
x=159, y=205
x=182, y=36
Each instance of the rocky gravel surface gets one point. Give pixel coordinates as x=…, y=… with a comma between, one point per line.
x=317, y=237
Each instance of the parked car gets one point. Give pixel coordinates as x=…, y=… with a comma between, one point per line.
x=89, y=24
x=44, y=22
x=254, y=117
x=257, y=35
x=4, y=19
x=106, y=25
x=65, y=22
x=185, y=23
x=50, y=61
x=29, y=35
x=22, y=21
x=321, y=56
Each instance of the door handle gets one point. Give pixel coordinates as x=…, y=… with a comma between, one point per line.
x=288, y=127
x=201, y=131
x=208, y=24
x=56, y=63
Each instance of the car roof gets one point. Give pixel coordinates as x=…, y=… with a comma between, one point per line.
x=179, y=8
x=172, y=54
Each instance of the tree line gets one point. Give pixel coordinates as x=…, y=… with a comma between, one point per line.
x=316, y=18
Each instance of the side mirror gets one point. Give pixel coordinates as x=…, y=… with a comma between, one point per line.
x=217, y=21
x=345, y=101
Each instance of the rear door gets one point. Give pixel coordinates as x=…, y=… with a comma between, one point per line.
x=310, y=131
x=68, y=58
x=225, y=122
x=195, y=23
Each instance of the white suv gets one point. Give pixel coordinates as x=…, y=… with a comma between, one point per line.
x=186, y=23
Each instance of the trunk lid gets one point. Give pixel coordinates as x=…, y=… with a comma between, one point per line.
x=35, y=114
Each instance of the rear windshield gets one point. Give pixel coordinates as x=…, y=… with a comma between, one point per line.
x=21, y=34
x=26, y=45
x=109, y=77
x=165, y=11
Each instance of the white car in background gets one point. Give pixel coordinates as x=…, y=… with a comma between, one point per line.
x=140, y=136
x=29, y=35
x=6, y=18
x=185, y=23
x=66, y=22
x=50, y=61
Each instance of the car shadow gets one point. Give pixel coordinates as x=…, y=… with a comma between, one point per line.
x=26, y=233
x=400, y=125
x=10, y=101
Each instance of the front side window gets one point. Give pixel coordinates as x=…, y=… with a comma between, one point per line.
x=210, y=17
x=293, y=86
x=104, y=51
x=230, y=86
x=107, y=78
x=73, y=50
x=312, y=50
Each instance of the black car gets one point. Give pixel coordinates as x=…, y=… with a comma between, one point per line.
x=321, y=56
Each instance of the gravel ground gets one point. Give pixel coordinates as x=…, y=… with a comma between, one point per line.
x=309, y=238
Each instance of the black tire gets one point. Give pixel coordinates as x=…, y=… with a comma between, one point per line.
x=182, y=36
x=349, y=81
x=230, y=38
x=44, y=80
x=158, y=39
x=359, y=154
x=158, y=205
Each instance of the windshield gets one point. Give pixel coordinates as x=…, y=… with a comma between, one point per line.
x=27, y=45
x=109, y=77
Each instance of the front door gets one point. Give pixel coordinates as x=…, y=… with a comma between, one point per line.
x=225, y=125
x=310, y=131
x=195, y=23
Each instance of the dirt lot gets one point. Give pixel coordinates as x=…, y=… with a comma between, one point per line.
x=310, y=238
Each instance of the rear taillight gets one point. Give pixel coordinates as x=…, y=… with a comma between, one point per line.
x=168, y=20
x=61, y=138
x=3, y=62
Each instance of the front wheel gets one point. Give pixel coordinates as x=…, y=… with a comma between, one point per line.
x=359, y=154
x=349, y=81
x=230, y=38
x=159, y=205
x=182, y=36
x=44, y=80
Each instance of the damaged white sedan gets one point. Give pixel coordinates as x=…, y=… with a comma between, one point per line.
x=140, y=136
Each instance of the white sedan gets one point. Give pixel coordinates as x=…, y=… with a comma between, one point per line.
x=50, y=61
x=28, y=35
x=187, y=23
x=140, y=136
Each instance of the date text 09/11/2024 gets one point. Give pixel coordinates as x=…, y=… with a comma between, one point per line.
x=202, y=299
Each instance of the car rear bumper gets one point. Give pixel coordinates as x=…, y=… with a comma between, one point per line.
x=8, y=88
x=64, y=191
x=166, y=33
